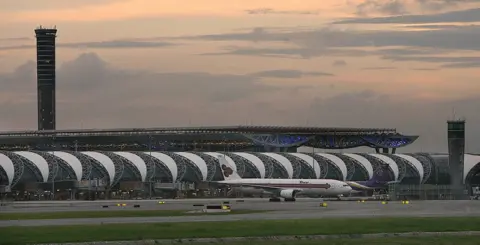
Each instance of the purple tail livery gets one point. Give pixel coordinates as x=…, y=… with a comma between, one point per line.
x=380, y=180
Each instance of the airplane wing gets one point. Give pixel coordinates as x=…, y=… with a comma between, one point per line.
x=268, y=188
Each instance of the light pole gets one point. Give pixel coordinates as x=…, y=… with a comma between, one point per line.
x=151, y=176
x=53, y=176
x=313, y=162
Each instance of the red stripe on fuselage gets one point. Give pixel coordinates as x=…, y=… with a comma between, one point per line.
x=318, y=186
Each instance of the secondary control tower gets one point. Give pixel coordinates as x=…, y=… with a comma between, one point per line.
x=456, y=152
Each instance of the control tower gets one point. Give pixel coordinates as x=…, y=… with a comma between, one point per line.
x=46, y=77
x=456, y=152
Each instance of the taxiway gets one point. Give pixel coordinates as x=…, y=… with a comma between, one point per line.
x=302, y=209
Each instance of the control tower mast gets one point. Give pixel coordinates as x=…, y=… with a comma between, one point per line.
x=46, y=77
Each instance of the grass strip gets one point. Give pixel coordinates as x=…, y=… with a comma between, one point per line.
x=116, y=232
x=104, y=214
x=443, y=240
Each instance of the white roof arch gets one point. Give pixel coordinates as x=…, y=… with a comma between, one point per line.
x=282, y=160
x=469, y=161
x=168, y=161
x=362, y=160
x=7, y=165
x=229, y=160
x=104, y=160
x=198, y=161
x=255, y=160
x=72, y=161
x=39, y=162
x=136, y=161
x=337, y=161
x=414, y=163
x=391, y=163
x=308, y=159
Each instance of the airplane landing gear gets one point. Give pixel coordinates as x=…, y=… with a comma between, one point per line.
x=274, y=199
x=289, y=199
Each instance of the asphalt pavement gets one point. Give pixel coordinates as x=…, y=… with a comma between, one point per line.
x=302, y=209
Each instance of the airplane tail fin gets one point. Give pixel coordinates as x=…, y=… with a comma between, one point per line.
x=380, y=177
x=228, y=171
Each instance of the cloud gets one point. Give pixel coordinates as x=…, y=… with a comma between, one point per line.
x=437, y=5
x=27, y=5
x=91, y=93
x=403, y=7
x=265, y=11
x=380, y=68
x=462, y=65
x=402, y=45
x=459, y=16
x=255, y=35
x=424, y=69
x=288, y=74
x=389, y=7
x=338, y=63
x=318, y=41
x=448, y=62
x=114, y=44
x=435, y=26
x=13, y=39
x=427, y=119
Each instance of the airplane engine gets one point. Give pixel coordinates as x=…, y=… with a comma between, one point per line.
x=288, y=194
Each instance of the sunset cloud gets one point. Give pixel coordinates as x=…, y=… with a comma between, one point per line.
x=355, y=63
x=92, y=93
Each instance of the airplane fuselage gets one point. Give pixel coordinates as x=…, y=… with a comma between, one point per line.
x=314, y=187
x=365, y=186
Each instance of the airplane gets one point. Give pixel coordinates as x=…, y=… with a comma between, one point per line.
x=284, y=188
x=379, y=181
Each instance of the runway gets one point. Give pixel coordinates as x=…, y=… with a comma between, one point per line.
x=302, y=209
x=170, y=204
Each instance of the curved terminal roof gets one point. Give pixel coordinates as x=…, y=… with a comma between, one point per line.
x=362, y=160
x=337, y=161
x=39, y=162
x=469, y=163
x=257, y=162
x=416, y=164
x=136, y=161
x=72, y=161
x=168, y=161
x=391, y=163
x=106, y=162
x=282, y=160
x=308, y=159
x=198, y=161
x=7, y=165
x=472, y=162
x=229, y=160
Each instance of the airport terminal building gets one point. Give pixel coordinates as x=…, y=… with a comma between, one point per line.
x=148, y=173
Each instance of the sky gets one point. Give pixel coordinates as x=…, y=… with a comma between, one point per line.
x=405, y=64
